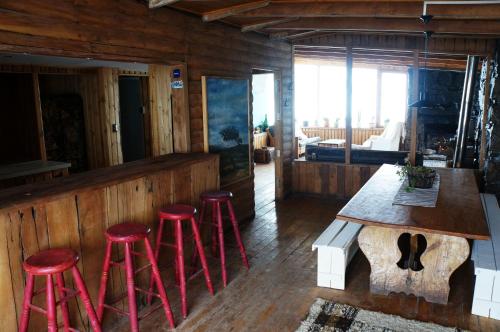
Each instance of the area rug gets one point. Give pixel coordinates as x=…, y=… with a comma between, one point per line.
x=326, y=316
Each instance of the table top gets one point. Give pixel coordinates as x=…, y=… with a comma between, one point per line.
x=458, y=211
x=30, y=168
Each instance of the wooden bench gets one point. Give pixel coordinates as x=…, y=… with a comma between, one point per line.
x=486, y=257
x=336, y=247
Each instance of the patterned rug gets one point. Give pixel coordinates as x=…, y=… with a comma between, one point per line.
x=326, y=316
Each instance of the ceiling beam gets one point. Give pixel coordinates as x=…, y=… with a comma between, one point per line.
x=221, y=13
x=160, y=3
x=467, y=27
x=374, y=9
x=290, y=35
x=266, y=24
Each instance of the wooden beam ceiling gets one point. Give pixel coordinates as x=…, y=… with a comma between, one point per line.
x=221, y=13
x=160, y=3
x=300, y=20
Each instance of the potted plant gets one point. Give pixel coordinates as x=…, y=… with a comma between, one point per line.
x=418, y=176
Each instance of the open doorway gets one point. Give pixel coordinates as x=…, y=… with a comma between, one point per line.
x=132, y=111
x=264, y=129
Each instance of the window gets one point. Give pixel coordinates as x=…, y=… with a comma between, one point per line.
x=320, y=92
x=393, y=97
x=364, y=97
x=320, y=95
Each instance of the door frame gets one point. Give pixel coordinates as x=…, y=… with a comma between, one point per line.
x=278, y=130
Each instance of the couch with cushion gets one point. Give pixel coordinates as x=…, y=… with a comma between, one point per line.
x=301, y=141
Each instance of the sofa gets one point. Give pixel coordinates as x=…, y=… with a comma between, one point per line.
x=371, y=157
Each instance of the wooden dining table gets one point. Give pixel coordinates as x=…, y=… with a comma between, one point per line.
x=436, y=237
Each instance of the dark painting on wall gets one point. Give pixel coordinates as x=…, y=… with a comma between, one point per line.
x=226, y=125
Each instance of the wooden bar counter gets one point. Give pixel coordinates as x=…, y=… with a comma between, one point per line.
x=75, y=211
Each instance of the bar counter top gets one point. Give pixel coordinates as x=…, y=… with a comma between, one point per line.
x=19, y=197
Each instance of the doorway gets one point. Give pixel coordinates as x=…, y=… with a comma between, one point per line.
x=265, y=133
x=132, y=111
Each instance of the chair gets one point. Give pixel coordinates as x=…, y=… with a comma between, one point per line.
x=49, y=263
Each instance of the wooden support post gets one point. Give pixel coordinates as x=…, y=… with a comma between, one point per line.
x=414, y=110
x=486, y=105
x=378, y=115
x=348, y=113
x=180, y=109
x=39, y=117
x=160, y=110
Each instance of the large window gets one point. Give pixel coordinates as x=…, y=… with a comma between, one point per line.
x=320, y=96
x=393, y=97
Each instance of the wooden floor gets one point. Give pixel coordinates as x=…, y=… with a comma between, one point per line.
x=275, y=294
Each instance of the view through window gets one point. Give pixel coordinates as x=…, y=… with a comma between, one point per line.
x=320, y=96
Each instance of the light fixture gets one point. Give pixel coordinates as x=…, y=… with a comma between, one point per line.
x=422, y=100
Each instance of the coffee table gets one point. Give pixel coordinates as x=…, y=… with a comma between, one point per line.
x=458, y=216
x=333, y=142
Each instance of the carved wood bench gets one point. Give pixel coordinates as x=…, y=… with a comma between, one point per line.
x=336, y=247
x=486, y=257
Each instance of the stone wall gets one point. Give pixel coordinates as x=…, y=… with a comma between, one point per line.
x=492, y=162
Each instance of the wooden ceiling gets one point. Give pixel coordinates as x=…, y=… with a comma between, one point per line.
x=293, y=20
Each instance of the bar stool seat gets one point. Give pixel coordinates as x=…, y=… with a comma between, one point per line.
x=216, y=196
x=177, y=211
x=127, y=232
x=51, y=261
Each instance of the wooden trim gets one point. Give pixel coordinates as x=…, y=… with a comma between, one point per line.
x=378, y=110
x=348, y=114
x=278, y=135
x=205, y=113
x=39, y=116
x=160, y=110
x=160, y=3
x=267, y=24
x=240, y=8
x=414, y=111
x=484, y=119
x=180, y=111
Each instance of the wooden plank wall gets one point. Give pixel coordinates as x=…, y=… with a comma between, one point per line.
x=159, y=36
x=330, y=179
x=78, y=221
x=160, y=110
x=359, y=135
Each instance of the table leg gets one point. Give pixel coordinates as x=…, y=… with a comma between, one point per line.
x=443, y=255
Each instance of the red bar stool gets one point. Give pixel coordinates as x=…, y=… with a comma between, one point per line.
x=215, y=199
x=177, y=214
x=127, y=234
x=49, y=263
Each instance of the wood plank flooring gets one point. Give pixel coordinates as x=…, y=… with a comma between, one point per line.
x=275, y=294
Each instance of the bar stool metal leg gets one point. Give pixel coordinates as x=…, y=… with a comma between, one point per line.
x=28, y=296
x=220, y=227
x=236, y=230
x=132, y=304
x=159, y=284
x=84, y=295
x=180, y=265
x=104, y=280
x=51, y=305
x=201, y=253
x=214, y=229
x=64, y=304
x=159, y=236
